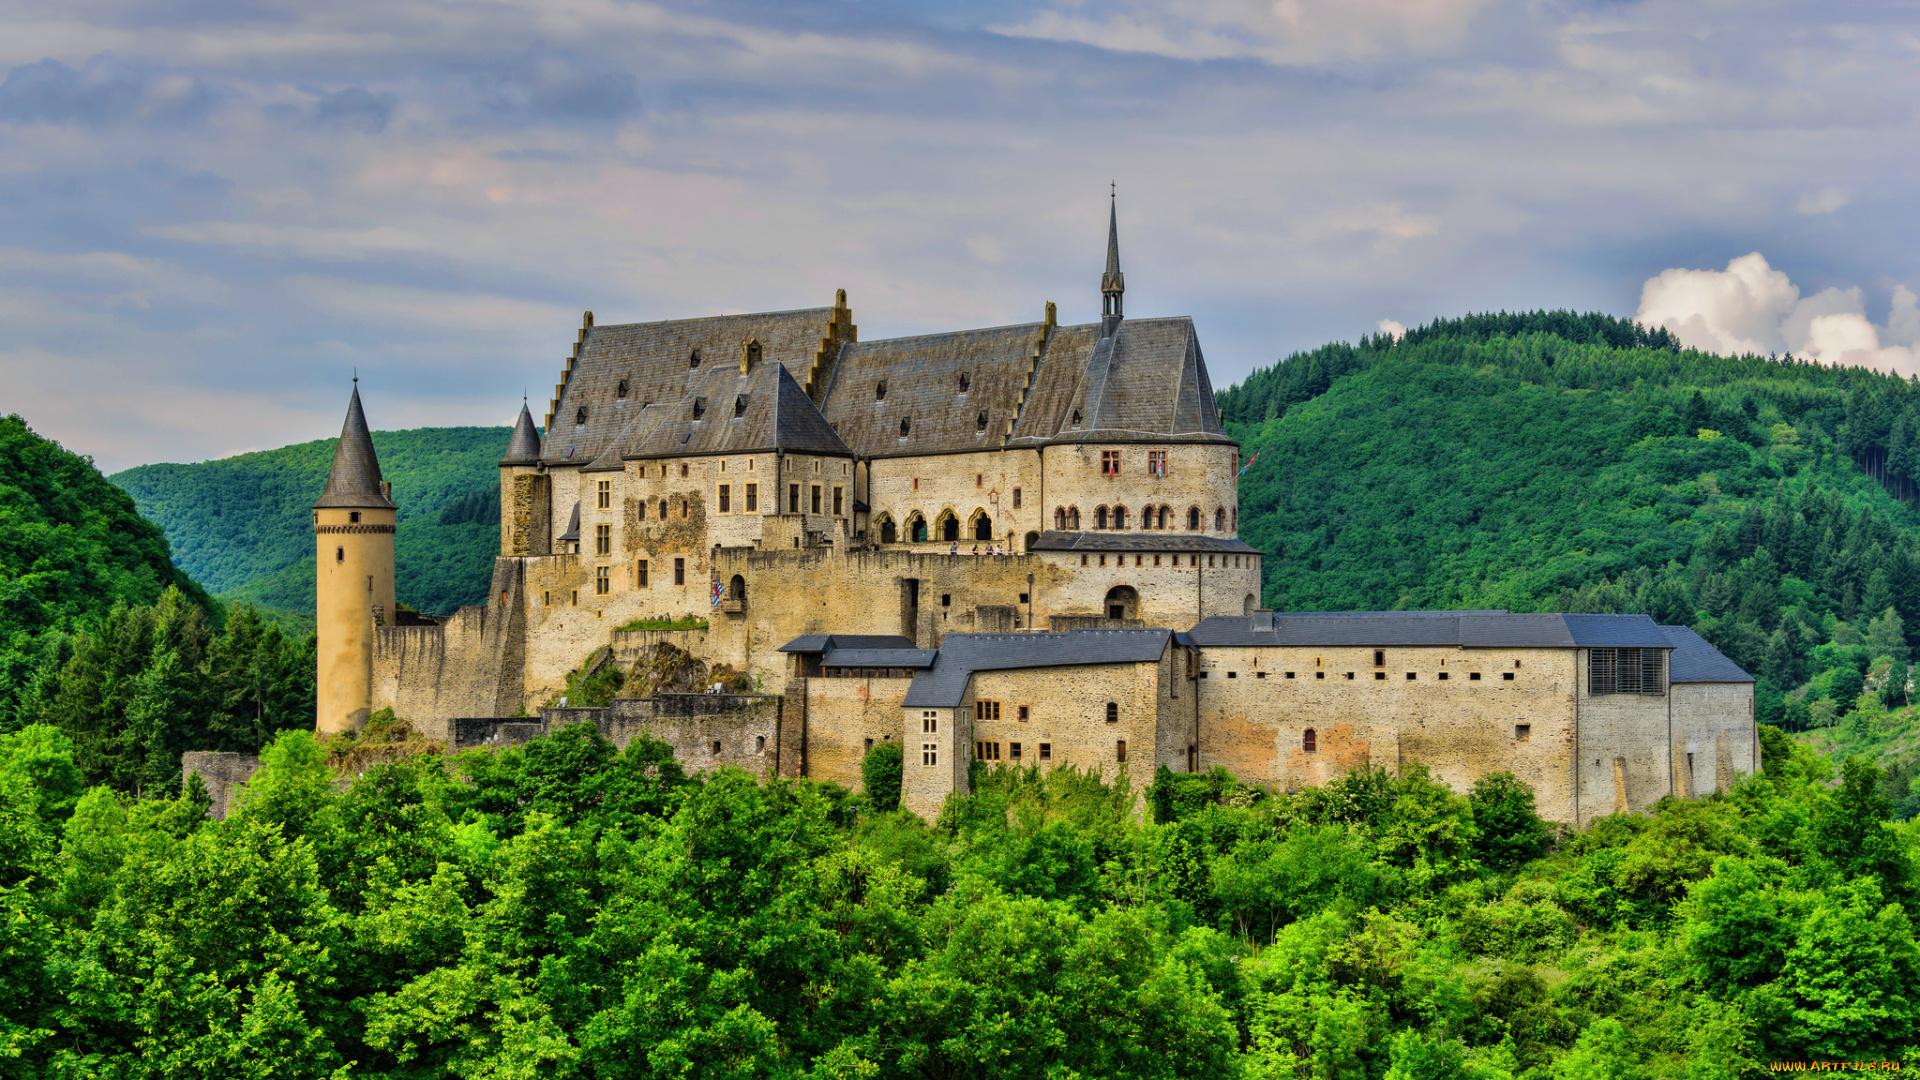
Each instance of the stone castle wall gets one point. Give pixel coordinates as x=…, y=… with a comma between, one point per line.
x=1714, y=736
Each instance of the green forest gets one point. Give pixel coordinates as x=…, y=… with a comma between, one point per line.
x=1561, y=462
x=567, y=909
x=242, y=526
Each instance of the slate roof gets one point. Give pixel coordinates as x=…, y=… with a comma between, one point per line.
x=773, y=414
x=1693, y=660
x=524, y=447
x=960, y=655
x=1147, y=382
x=573, y=524
x=1052, y=540
x=354, y=480
x=883, y=658
x=820, y=643
x=922, y=376
x=1465, y=629
x=654, y=359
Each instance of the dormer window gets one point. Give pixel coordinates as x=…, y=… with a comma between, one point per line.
x=693, y=359
x=966, y=380
x=621, y=391
x=699, y=407
x=1076, y=418
x=906, y=425
x=740, y=406
x=580, y=415
x=880, y=390
x=980, y=421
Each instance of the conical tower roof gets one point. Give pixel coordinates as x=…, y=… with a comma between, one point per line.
x=1113, y=284
x=355, y=479
x=524, y=447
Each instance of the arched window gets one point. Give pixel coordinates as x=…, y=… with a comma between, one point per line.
x=1219, y=519
x=983, y=527
x=1060, y=518
x=1113, y=712
x=1163, y=517
x=1123, y=603
x=888, y=533
x=949, y=526
x=1193, y=519
x=1100, y=517
x=1032, y=539
x=1073, y=519
x=917, y=529
x=1308, y=743
x=737, y=588
x=1119, y=517
x=1252, y=605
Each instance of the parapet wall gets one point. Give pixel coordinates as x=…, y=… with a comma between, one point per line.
x=472, y=665
x=706, y=731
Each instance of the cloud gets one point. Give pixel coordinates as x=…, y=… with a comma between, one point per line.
x=1824, y=201
x=1392, y=329
x=102, y=94
x=549, y=84
x=435, y=310
x=1277, y=31
x=1752, y=308
x=357, y=108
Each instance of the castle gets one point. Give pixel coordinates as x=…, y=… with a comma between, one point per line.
x=1015, y=545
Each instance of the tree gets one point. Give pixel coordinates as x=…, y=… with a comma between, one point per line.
x=1510, y=830
x=881, y=773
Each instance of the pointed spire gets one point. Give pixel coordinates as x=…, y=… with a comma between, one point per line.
x=524, y=447
x=355, y=480
x=1112, y=283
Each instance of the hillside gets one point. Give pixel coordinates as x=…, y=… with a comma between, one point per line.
x=242, y=525
x=103, y=638
x=1575, y=463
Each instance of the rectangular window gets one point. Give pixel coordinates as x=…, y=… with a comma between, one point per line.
x=1023, y=714
x=1523, y=732
x=916, y=484
x=986, y=710
x=815, y=503
x=1442, y=676
x=1473, y=676
x=576, y=598
x=979, y=479
x=929, y=723
x=1289, y=674
x=1120, y=750
x=1109, y=463
x=929, y=753
x=726, y=498
x=1506, y=676
x=683, y=470
x=603, y=539
x=869, y=746
x=1379, y=658
x=1157, y=462
x=606, y=494
x=1380, y=676
x=1625, y=671
x=603, y=580
x=753, y=497
x=640, y=573
x=1013, y=751
x=793, y=498
x=839, y=506
x=1410, y=676
x=1016, y=498
x=1046, y=751
x=679, y=571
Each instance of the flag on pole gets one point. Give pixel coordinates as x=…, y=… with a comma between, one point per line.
x=1249, y=464
x=716, y=594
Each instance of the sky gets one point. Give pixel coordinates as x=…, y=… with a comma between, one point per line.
x=213, y=213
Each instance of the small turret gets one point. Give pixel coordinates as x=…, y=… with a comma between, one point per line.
x=524, y=527
x=353, y=574
x=524, y=447
x=1113, y=284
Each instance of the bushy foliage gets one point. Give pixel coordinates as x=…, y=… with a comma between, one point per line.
x=568, y=908
x=243, y=525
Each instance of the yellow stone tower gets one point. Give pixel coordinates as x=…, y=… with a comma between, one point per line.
x=353, y=584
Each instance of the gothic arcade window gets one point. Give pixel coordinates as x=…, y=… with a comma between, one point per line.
x=1060, y=518
x=983, y=528
x=1626, y=671
x=1073, y=518
x=1099, y=517
x=1193, y=519
x=888, y=532
x=1119, y=517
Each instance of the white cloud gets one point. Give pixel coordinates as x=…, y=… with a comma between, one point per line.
x=1277, y=31
x=1824, y=201
x=1752, y=308
x=1392, y=329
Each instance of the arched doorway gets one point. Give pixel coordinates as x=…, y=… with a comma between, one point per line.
x=982, y=526
x=917, y=529
x=737, y=589
x=888, y=534
x=1252, y=604
x=1123, y=602
x=1032, y=539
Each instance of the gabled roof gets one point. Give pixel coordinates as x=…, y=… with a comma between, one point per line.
x=655, y=361
x=944, y=685
x=819, y=643
x=524, y=447
x=1052, y=540
x=1694, y=660
x=725, y=412
x=1146, y=382
x=1464, y=629
x=885, y=658
x=922, y=376
x=354, y=480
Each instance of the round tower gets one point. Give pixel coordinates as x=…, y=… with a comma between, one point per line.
x=353, y=583
x=524, y=520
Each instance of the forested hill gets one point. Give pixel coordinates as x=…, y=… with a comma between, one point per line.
x=1554, y=461
x=242, y=525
